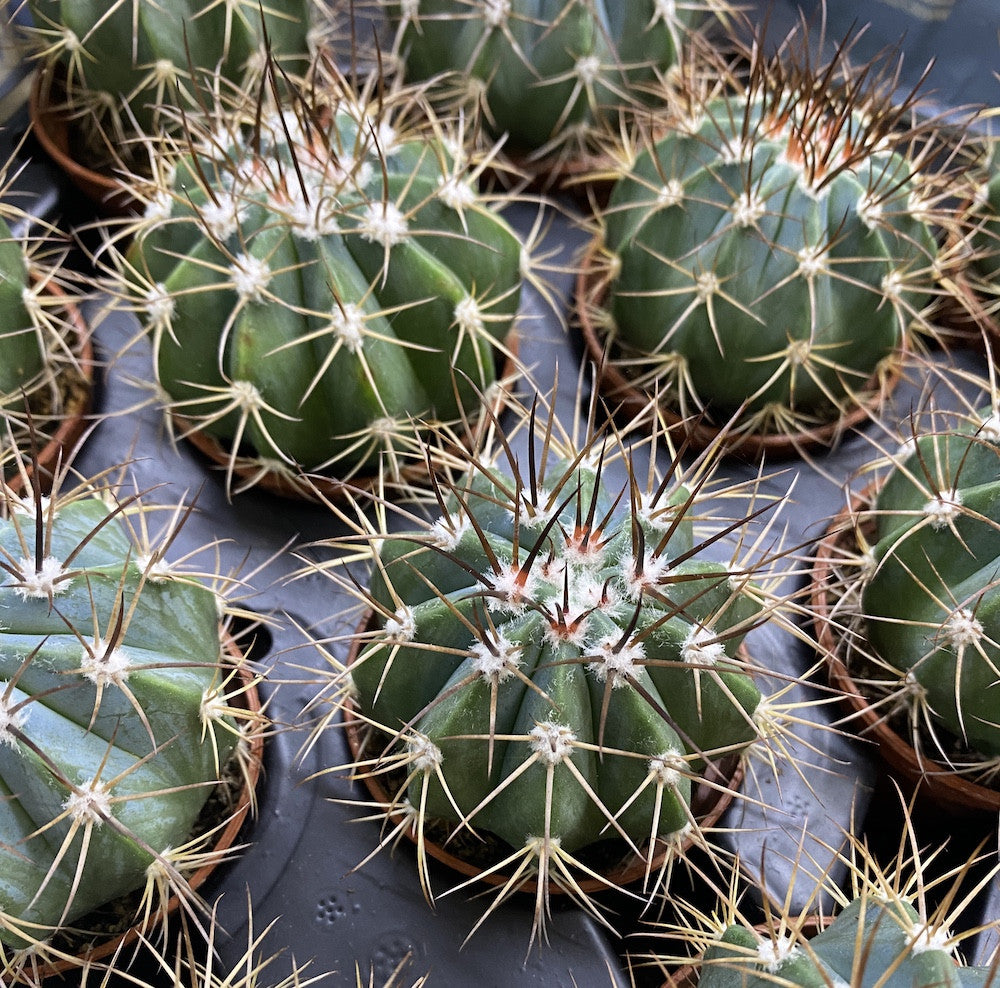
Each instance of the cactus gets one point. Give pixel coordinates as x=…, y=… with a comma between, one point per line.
x=115, y=717
x=768, y=255
x=556, y=659
x=871, y=941
x=546, y=75
x=128, y=64
x=931, y=587
x=319, y=278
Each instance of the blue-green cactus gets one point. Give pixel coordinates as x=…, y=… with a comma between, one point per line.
x=771, y=246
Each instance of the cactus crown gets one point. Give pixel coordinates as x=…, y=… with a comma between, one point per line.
x=118, y=717
x=554, y=660
x=759, y=224
x=318, y=273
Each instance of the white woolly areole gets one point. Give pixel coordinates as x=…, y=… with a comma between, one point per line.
x=469, y=317
x=384, y=224
x=154, y=566
x=869, y=211
x=614, y=663
x=700, y=648
x=668, y=769
x=512, y=589
x=43, y=583
x=446, y=534
x=402, y=626
x=706, y=285
x=11, y=720
x=103, y=665
x=812, y=261
x=496, y=13
x=213, y=707
x=925, y=939
x=553, y=743
x=250, y=277
x=495, y=660
x=588, y=69
x=347, y=323
x=221, y=216
x=26, y=505
x=89, y=804
x=454, y=193
x=748, y=209
x=641, y=574
x=671, y=194
x=943, y=509
x=773, y=953
x=425, y=755
x=892, y=285
x=962, y=628
x=989, y=429
x=246, y=395
x=159, y=305
x=159, y=207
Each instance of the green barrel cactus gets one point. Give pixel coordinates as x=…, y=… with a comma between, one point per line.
x=545, y=74
x=317, y=281
x=556, y=660
x=931, y=595
x=114, y=718
x=768, y=253
x=129, y=64
x=870, y=942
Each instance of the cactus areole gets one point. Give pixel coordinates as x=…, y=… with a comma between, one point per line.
x=768, y=254
x=931, y=602
x=872, y=941
x=130, y=58
x=544, y=73
x=314, y=289
x=557, y=662
x=109, y=738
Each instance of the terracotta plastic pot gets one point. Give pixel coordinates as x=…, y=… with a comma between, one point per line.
x=623, y=394
x=52, y=128
x=74, y=420
x=931, y=779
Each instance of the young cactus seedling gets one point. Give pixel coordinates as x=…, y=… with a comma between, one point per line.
x=119, y=718
x=554, y=664
x=771, y=248
x=552, y=76
x=318, y=274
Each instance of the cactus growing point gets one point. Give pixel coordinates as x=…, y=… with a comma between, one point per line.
x=320, y=275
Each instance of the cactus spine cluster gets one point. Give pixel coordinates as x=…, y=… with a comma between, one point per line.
x=768, y=254
x=317, y=279
x=129, y=62
x=931, y=596
x=556, y=657
x=114, y=718
x=546, y=74
x=872, y=941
